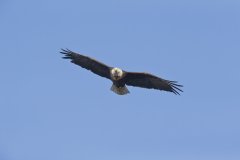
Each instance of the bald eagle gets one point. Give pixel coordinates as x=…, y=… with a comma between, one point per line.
x=121, y=78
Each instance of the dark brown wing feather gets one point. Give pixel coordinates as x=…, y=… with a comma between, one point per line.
x=146, y=80
x=87, y=63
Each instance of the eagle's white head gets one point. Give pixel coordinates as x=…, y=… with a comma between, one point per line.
x=116, y=73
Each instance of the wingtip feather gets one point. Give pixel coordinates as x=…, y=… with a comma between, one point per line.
x=67, y=53
x=175, y=87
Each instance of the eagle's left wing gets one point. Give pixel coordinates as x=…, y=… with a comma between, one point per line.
x=87, y=63
x=146, y=80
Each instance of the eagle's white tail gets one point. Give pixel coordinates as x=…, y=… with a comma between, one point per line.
x=120, y=90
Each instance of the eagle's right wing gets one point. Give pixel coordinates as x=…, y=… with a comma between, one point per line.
x=87, y=63
x=146, y=80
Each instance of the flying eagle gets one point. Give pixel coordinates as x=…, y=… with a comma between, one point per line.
x=121, y=78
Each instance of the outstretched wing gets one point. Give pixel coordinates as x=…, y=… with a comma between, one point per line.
x=146, y=80
x=87, y=63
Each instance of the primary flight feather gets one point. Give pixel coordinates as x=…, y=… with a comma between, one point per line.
x=122, y=78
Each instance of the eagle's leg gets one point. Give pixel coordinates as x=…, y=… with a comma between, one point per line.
x=120, y=90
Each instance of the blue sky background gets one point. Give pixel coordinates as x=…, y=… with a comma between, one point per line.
x=52, y=109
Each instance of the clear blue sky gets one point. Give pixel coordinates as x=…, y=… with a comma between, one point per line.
x=51, y=109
